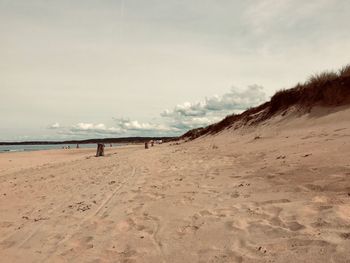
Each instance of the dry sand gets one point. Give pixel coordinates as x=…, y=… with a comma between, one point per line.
x=276, y=193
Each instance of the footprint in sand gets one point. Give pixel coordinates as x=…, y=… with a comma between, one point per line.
x=6, y=224
x=7, y=244
x=231, y=226
x=235, y=176
x=205, y=213
x=294, y=226
x=127, y=254
x=187, y=229
x=320, y=222
x=345, y=235
x=235, y=195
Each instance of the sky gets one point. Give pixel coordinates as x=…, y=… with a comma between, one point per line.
x=95, y=69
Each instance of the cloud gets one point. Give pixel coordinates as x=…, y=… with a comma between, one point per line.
x=237, y=100
x=54, y=126
x=184, y=124
x=83, y=129
x=95, y=128
x=176, y=121
x=234, y=100
x=134, y=125
x=185, y=109
x=122, y=127
x=193, y=115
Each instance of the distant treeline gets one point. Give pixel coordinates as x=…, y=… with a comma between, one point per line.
x=105, y=140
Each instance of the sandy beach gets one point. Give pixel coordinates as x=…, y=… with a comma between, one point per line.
x=175, y=131
x=276, y=193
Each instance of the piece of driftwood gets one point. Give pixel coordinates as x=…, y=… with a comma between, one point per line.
x=146, y=145
x=100, y=150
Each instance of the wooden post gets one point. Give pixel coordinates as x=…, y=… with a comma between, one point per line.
x=100, y=150
x=146, y=145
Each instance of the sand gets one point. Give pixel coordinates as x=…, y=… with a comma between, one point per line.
x=279, y=192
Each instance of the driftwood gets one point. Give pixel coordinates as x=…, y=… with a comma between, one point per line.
x=100, y=150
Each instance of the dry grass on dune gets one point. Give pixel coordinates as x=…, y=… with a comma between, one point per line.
x=324, y=89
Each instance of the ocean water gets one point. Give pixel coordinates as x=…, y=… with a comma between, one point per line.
x=29, y=148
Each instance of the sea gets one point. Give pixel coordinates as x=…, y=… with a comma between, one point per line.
x=30, y=148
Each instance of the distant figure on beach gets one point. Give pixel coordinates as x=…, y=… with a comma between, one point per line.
x=152, y=143
x=110, y=145
x=77, y=145
x=146, y=145
x=68, y=147
x=100, y=150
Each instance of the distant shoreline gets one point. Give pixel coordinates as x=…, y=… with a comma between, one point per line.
x=104, y=140
x=45, y=147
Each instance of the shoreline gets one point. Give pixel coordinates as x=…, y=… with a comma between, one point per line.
x=14, y=161
x=45, y=147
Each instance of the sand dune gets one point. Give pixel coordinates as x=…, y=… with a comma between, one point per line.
x=279, y=192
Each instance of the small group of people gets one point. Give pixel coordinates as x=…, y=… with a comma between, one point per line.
x=66, y=147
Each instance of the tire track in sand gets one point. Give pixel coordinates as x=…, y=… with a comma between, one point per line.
x=33, y=231
x=95, y=214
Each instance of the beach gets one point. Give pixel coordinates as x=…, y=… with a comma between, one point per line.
x=276, y=193
x=175, y=131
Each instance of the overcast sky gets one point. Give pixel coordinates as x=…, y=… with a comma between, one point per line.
x=85, y=69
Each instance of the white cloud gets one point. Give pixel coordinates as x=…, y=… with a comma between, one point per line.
x=55, y=125
x=122, y=127
x=237, y=100
x=134, y=125
x=95, y=128
x=186, y=109
x=83, y=129
x=185, y=124
x=193, y=115
x=233, y=101
x=177, y=121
